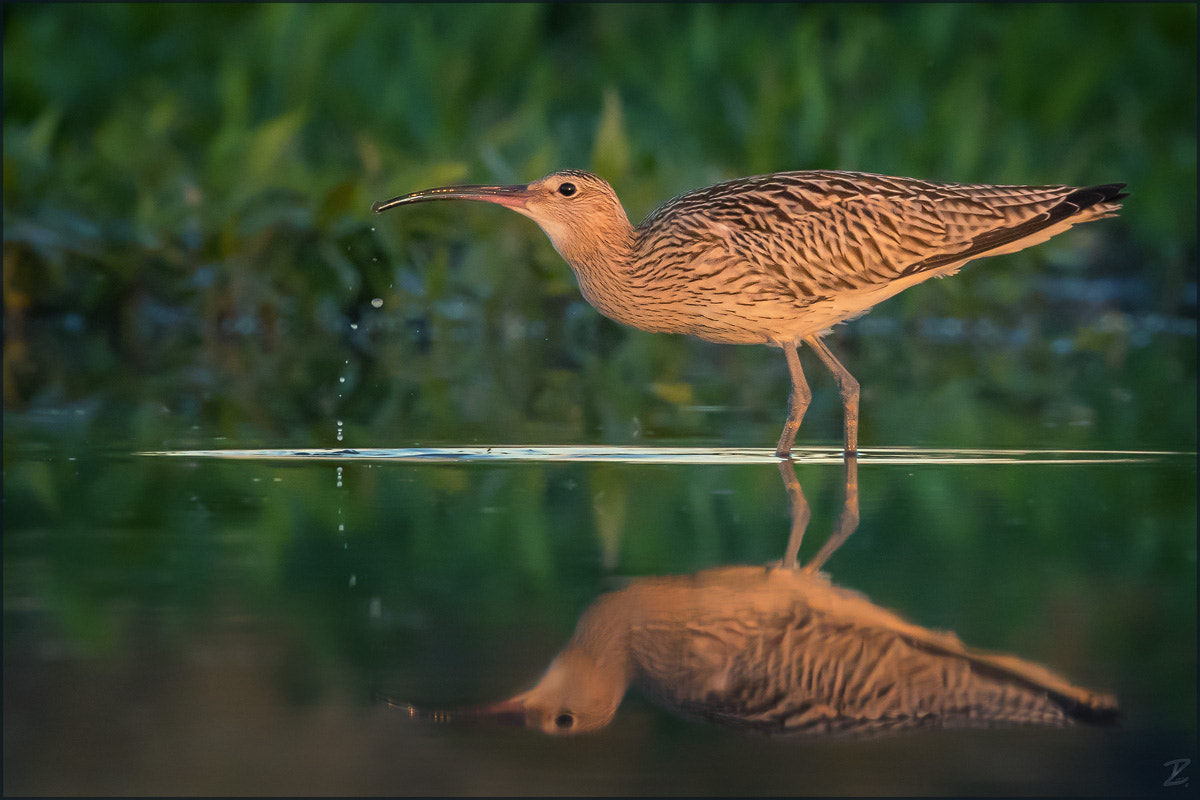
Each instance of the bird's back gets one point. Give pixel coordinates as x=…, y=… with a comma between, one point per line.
x=791, y=654
x=832, y=244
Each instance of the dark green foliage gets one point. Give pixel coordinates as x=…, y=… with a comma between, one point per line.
x=188, y=191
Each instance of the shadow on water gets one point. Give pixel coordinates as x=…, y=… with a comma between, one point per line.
x=781, y=650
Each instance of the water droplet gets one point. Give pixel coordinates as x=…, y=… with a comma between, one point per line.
x=342, y=379
x=353, y=580
x=377, y=302
x=353, y=326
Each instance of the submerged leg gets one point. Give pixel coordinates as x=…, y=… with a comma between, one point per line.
x=798, y=510
x=847, y=521
x=848, y=387
x=798, y=401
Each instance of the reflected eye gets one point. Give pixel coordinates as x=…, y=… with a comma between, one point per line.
x=566, y=190
x=564, y=721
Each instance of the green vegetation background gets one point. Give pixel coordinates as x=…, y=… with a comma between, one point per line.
x=187, y=230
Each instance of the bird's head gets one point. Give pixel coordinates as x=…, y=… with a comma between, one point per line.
x=575, y=695
x=579, y=211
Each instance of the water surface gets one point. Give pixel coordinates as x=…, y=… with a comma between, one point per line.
x=225, y=619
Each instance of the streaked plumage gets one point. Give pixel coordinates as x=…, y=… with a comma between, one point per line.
x=779, y=259
x=782, y=651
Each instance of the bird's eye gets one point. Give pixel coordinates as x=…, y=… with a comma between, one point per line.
x=564, y=721
x=566, y=189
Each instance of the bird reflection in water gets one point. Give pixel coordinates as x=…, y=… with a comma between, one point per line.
x=782, y=650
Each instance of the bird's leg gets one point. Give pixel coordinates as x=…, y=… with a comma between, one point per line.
x=799, y=511
x=848, y=387
x=847, y=521
x=798, y=401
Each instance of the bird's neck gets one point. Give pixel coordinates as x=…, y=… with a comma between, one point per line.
x=602, y=258
x=602, y=635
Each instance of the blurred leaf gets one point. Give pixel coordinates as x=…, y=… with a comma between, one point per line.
x=674, y=392
x=271, y=142
x=339, y=200
x=41, y=133
x=610, y=502
x=610, y=154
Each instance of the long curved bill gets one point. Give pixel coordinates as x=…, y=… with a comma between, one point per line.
x=510, y=196
x=511, y=712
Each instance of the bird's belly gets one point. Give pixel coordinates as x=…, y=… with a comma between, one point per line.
x=750, y=320
x=824, y=312
x=779, y=319
x=710, y=319
x=748, y=312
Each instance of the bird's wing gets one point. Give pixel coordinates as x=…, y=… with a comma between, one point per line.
x=816, y=233
x=819, y=659
x=786, y=676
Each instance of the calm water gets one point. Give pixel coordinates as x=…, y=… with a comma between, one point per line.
x=218, y=621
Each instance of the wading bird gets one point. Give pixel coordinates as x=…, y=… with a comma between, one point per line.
x=779, y=259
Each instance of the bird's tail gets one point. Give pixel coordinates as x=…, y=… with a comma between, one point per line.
x=1049, y=690
x=1094, y=202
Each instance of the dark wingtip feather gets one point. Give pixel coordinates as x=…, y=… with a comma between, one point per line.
x=1098, y=709
x=1093, y=195
x=1105, y=196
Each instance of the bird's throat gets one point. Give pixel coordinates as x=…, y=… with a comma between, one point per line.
x=603, y=266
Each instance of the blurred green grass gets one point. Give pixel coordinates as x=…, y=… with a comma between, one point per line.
x=187, y=192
